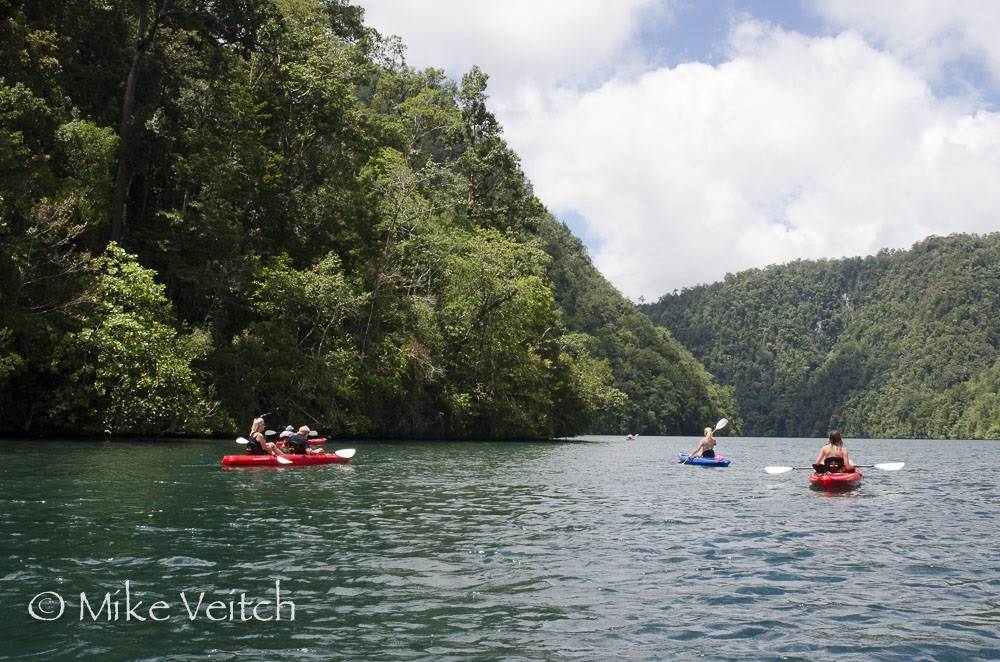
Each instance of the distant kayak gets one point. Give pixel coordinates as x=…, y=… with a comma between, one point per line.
x=833, y=482
x=717, y=461
x=271, y=461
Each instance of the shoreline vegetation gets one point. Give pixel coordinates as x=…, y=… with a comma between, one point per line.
x=902, y=344
x=229, y=437
x=6, y=437
x=209, y=212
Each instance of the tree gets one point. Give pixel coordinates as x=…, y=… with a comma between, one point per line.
x=146, y=33
x=128, y=370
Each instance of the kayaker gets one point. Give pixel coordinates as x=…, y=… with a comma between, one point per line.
x=257, y=444
x=705, y=447
x=833, y=457
x=298, y=443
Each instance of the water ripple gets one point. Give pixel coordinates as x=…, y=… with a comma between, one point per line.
x=524, y=551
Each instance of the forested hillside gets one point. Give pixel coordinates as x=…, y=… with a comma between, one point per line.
x=212, y=209
x=901, y=344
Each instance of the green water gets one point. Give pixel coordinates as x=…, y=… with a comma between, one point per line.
x=582, y=550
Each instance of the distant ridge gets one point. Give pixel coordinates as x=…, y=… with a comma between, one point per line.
x=900, y=344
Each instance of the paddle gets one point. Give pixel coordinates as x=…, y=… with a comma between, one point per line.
x=346, y=453
x=884, y=466
x=280, y=459
x=723, y=422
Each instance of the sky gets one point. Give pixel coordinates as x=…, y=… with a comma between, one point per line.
x=686, y=139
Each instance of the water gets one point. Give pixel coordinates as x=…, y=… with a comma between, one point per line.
x=585, y=550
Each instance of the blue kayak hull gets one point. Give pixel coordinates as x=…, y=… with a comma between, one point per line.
x=717, y=461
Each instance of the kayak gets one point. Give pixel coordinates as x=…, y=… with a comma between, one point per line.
x=318, y=441
x=315, y=441
x=271, y=461
x=831, y=482
x=717, y=461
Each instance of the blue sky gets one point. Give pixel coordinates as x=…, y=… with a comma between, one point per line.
x=685, y=139
x=697, y=31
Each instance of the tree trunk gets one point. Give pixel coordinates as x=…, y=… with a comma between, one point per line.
x=146, y=35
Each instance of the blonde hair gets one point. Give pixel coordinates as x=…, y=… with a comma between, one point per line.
x=258, y=426
x=708, y=432
x=304, y=429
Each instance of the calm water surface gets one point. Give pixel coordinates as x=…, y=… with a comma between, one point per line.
x=586, y=550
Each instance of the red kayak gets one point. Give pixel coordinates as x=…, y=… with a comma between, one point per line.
x=829, y=482
x=318, y=441
x=271, y=461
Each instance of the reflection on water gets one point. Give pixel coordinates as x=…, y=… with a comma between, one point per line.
x=454, y=550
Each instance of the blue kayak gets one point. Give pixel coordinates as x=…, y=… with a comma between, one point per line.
x=717, y=461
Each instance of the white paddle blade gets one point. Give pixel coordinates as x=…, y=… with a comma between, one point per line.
x=270, y=433
x=346, y=453
x=282, y=460
x=777, y=470
x=313, y=433
x=890, y=466
x=723, y=422
x=243, y=441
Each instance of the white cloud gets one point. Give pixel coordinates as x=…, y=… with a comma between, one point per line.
x=520, y=43
x=926, y=33
x=794, y=147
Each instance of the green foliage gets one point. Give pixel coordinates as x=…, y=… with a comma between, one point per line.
x=497, y=320
x=87, y=154
x=9, y=361
x=977, y=404
x=667, y=391
x=355, y=237
x=497, y=190
x=295, y=356
x=25, y=122
x=127, y=369
x=601, y=404
x=902, y=344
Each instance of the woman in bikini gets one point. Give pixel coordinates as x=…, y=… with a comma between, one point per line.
x=833, y=456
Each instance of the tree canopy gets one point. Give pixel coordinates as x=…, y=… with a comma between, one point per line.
x=900, y=344
x=212, y=209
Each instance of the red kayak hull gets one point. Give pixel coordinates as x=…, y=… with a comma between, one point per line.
x=271, y=461
x=835, y=482
x=312, y=442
